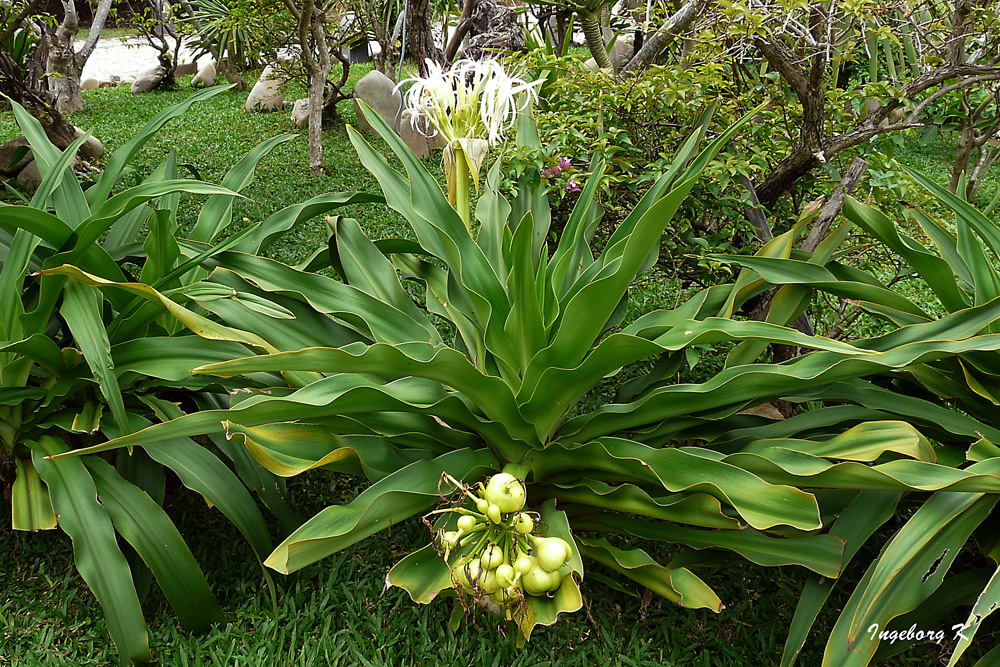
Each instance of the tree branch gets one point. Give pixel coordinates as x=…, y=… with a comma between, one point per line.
x=674, y=26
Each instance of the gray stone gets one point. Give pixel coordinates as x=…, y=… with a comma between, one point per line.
x=621, y=52
x=378, y=91
x=29, y=176
x=7, y=152
x=300, y=113
x=431, y=137
x=91, y=148
x=148, y=80
x=267, y=94
x=186, y=69
x=206, y=75
x=90, y=83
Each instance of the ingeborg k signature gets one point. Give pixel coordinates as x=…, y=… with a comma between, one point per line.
x=912, y=634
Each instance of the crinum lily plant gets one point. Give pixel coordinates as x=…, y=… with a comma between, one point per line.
x=502, y=367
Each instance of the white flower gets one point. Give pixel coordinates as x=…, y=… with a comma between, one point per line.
x=475, y=99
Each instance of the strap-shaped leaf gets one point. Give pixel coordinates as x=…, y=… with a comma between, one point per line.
x=939, y=273
x=734, y=386
x=81, y=309
x=406, y=492
x=441, y=364
x=30, y=506
x=423, y=574
x=679, y=585
x=367, y=269
x=288, y=449
x=95, y=547
x=822, y=554
x=698, y=509
x=217, y=212
x=910, y=568
x=762, y=504
x=124, y=155
x=866, y=513
x=153, y=535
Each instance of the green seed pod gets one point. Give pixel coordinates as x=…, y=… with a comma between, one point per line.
x=492, y=557
x=505, y=575
x=493, y=512
x=524, y=524
x=552, y=553
x=466, y=522
x=539, y=582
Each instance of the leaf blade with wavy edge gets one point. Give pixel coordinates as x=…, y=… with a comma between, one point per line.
x=679, y=585
x=402, y=494
x=762, y=504
x=937, y=272
x=95, y=547
x=557, y=389
x=545, y=610
x=440, y=230
x=288, y=449
x=217, y=212
x=441, y=364
x=153, y=535
x=698, y=509
x=423, y=574
x=822, y=554
x=327, y=398
x=865, y=442
x=783, y=271
x=733, y=387
x=204, y=473
x=367, y=269
x=364, y=313
x=199, y=325
x=281, y=221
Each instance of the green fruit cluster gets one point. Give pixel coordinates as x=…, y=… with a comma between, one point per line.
x=507, y=560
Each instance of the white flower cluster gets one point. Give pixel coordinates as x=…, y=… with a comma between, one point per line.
x=475, y=99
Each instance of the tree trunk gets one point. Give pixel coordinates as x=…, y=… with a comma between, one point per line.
x=419, y=38
x=63, y=75
x=12, y=83
x=64, y=64
x=595, y=38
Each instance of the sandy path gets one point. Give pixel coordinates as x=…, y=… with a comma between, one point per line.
x=127, y=58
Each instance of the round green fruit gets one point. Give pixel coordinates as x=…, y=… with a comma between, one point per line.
x=539, y=582
x=552, y=553
x=506, y=492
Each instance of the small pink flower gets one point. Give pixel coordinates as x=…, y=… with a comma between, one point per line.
x=564, y=163
x=572, y=185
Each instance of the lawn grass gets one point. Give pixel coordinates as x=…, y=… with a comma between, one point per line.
x=335, y=612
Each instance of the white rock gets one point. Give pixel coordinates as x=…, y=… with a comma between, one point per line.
x=90, y=83
x=149, y=80
x=267, y=94
x=91, y=148
x=206, y=75
x=300, y=113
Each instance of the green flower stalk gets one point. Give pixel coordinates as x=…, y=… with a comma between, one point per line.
x=471, y=105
